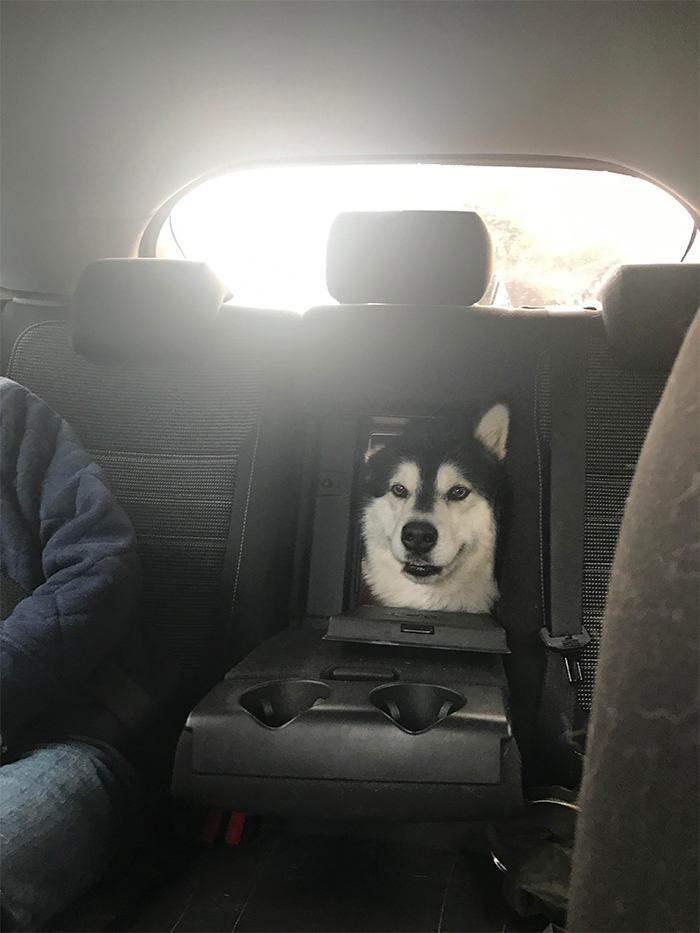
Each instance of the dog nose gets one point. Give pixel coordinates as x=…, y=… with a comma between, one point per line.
x=419, y=537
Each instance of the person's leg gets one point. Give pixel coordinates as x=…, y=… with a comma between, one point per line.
x=62, y=807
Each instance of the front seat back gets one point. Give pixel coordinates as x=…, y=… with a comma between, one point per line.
x=636, y=858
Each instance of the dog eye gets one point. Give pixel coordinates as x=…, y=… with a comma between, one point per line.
x=457, y=493
x=399, y=491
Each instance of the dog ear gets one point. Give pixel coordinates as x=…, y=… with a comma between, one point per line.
x=492, y=430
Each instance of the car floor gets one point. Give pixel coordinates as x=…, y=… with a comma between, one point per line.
x=284, y=881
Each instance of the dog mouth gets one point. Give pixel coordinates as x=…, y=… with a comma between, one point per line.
x=421, y=570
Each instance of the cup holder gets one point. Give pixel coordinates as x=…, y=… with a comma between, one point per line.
x=277, y=703
x=416, y=707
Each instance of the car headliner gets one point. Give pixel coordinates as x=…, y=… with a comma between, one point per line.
x=110, y=108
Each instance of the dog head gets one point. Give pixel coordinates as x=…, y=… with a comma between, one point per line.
x=431, y=506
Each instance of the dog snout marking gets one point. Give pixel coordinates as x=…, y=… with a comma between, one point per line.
x=419, y=537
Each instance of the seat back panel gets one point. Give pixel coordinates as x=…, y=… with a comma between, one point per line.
x=168, y=439
x=620, y=405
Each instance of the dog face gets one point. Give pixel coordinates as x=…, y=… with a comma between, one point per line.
x=430, y=515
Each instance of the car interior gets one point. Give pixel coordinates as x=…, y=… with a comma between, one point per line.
x=331, y=763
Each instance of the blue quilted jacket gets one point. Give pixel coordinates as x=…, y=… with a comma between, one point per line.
x=73, y=660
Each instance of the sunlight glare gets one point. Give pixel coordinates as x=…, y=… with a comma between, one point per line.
x=556, y=231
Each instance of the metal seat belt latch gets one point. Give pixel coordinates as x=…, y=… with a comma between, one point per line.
x=570, y=646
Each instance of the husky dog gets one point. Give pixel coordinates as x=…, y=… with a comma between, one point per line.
x=431, y=512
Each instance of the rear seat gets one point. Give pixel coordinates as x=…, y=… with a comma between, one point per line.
x=186, y=438
x=181, y=404
x=178, y=436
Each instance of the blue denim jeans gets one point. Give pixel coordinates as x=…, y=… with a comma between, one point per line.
x=62, y=808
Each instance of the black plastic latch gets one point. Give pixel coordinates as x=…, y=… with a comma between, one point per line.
x=417, y=628
x=350, y=674
x=570, y=646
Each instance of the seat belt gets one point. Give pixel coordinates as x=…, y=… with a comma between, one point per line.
x=564, y=636
x=565, y=633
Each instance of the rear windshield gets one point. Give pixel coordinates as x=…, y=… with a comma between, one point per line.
x=557, y=232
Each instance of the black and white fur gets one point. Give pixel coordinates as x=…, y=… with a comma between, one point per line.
x=431, y=512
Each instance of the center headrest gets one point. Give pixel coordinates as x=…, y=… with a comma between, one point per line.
x=647, y=309
x=408, y=258
x=138, y=309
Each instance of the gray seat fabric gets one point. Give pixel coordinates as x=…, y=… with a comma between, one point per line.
x=20, y=313
x=636, y=855
x=169, y=436
x=620, y=404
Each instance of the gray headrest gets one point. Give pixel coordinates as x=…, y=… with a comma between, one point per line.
x=647, y=309
x=138, y=309
x=409, y=258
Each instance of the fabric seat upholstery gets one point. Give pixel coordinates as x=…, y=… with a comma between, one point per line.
x=636, y=857
x=169, y=433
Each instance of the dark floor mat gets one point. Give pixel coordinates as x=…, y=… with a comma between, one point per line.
x=283, y=883
x=210, y=896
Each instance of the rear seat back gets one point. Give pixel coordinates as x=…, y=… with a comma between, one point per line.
x=646, y=311
x=179, y=403
x=20, y=312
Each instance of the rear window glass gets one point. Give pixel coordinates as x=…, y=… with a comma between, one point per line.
x=557, y=232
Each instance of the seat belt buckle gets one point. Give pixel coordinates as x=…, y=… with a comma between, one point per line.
x=570, y=646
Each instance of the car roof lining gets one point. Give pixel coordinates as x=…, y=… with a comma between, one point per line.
x=109, y=109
